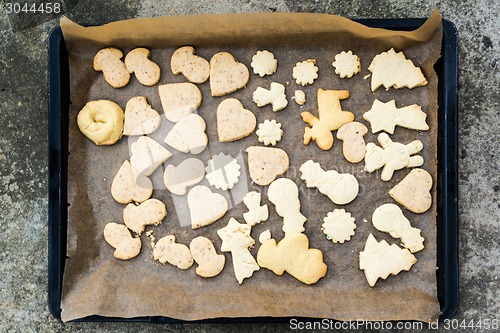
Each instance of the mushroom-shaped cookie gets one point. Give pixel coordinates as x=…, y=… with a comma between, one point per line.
x=119, y=237
x=108, y=61
x=209, y=262
x=146, y=71
x=354, y=144
x=195, y=68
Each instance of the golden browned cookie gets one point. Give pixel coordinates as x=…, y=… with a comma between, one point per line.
x=293, y=255
x=330, y=118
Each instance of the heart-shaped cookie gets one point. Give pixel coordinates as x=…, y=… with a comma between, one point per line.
x=188, y=173
x=140, y=118
x=234, y=122
x=265, y=164
x=188, y=135
x=413, y=192
x=127, y=188
x=205, y=207
x=227, y=74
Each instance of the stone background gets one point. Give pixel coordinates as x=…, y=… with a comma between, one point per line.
x=23, y=148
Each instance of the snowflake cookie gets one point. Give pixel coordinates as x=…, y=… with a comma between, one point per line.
x=346, y=64
x=264, y=63
x=338, y=226
x=269, y=132
x=305, y=72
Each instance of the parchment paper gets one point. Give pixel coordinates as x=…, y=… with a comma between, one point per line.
x=95, y=283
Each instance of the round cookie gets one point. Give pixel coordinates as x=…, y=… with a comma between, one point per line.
x=101, y=121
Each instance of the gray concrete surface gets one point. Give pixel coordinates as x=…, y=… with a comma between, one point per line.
x=23, y=148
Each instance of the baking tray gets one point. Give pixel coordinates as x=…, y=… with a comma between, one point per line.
x=447, y=183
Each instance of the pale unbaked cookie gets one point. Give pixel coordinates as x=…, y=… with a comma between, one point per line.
x=265, y=164
x=205, y=207
x=305, y=72
x=414, y=191
x=300, y=97
x=108, y=60
x=188, y=135
x=194, y=68
x=226, y=74
x=392, y=69
x=101, y=121
x=188, y=173
x=346, y=64
x=179, y=100
x=269, y=132
x=126, y=187
x=223, y=171
x=385, y=117
x=150, y=212
x=264, y=236
x=140, y=117
x=354, y=147
x=275, y=96
x=167, y=250
x=256, y=213
x=338, y=226
x=392, y=156
x=146, y=155
x=237, y=240
x=380, y=259
x=146, y=71
x=389, y=218
x=341, y=188
x=293, y=255
x=209, y=262
x=284, y=194
x=234, y=122
x=330, y=118
x=119, y=237
x=264, y=63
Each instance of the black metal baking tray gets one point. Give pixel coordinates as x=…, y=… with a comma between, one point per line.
x=447, y=184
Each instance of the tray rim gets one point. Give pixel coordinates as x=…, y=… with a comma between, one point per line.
x=447, y=183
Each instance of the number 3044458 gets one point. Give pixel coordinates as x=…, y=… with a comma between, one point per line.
x=34, y=8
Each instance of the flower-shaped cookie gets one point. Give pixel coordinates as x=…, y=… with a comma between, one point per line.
x=269, y=132
x=346, y=64
x=338, y=226
x=305, y=72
